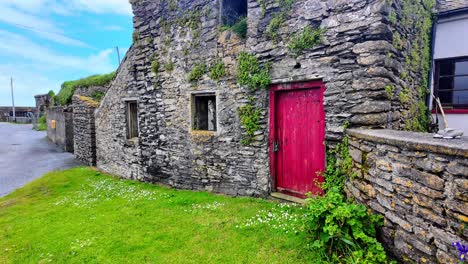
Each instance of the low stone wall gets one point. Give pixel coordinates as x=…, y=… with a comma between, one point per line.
x=84, y=129
x=419, y=184
x=62, y=135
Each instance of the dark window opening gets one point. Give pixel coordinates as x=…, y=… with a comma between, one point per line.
x=204, y=112
x=132, y=120
x=233, y=11
x=451, y=82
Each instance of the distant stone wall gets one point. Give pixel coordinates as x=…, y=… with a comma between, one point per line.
x=62, y=135
x=84, y=129
x=447, y=5
x=419, y=184
x=91, y=91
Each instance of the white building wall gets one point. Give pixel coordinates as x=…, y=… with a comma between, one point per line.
x=451, y=41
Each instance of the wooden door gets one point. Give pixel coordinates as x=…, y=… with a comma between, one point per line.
x=297, y=137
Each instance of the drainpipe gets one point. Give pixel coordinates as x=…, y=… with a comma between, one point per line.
x=431, y=68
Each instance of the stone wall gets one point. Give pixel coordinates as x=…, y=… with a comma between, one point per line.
x=62, y=135
x=447, y=5
x=84, y=129
x=353, y=62
x=419, y=184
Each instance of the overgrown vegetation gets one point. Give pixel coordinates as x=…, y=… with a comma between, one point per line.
x=197, y=72
x=250, y=119
x=52, y=97
x=65, y=95
x=41, y=123
x=75, y=216
x=415, y=18
x=98, y=95
x=218, y=70
x=340, y=231
x=307, y=38
x=169, y=66
x=251, y=73
x=278, y=18
x=240, y=27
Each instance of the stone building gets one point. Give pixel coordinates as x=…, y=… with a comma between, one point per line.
x=176, y=113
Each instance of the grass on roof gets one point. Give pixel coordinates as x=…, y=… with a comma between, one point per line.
x=65, y=95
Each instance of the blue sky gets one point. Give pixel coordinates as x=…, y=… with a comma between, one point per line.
x=46, y=42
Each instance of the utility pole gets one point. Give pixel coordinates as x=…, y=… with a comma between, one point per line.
x=118, y=54
x=13, y=101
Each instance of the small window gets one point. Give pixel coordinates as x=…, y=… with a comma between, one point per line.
x=233, y=11
x=132, y=120
x=451, y=83
x=204, y=112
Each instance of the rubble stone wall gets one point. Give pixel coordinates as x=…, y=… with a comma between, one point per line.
x=84, y=129
x=419, y=184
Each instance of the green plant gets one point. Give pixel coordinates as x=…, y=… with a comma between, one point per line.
x=42, y=123
x=197, y=72
x=272, y=29
x=307, y=38
x=250, y=73
x=65, y=94
x=341, y=231
x=403, y=96
x=390, y=90
x=155, y=66
x=98, y=95
x=135, y=36
x=240, y=28
x=169, y=66
x=218, y=70
x=249, y=117
x=53, y=99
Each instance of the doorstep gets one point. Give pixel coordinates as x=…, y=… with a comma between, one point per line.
x=288, y=198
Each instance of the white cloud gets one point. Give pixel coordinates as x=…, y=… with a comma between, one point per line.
x=17, y=45
x=40, y=26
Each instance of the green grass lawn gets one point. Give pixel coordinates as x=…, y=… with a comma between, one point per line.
x=83, y=216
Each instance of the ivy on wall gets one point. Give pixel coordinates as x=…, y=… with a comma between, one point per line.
x=416, y=18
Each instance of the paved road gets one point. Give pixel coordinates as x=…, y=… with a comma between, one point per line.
x=25, y=155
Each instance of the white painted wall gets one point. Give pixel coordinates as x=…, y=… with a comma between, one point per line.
x=451, y=41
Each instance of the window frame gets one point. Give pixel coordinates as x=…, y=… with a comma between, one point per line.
x=193, y=110
x=128, y=117
x=437, y=78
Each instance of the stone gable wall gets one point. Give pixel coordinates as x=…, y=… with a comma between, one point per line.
x=419, y=184
x=352, y=61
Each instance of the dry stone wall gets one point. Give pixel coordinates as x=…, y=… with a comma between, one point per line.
x=448, y=5
x=62, y=134
x=84, y=129
x=419, y=184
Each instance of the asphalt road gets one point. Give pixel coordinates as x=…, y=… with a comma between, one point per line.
x=25, y=155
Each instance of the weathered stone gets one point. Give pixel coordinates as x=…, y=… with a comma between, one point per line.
x=371, y=107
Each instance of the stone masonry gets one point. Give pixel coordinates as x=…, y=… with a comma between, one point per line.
x=419, y=184
x=353, y=61
x=84, y=129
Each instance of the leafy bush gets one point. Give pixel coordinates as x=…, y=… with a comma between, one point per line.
x=251, y=73
x=249, y=117
x=307, y=38
x=155, y=66
x=217, y=70
x=42, y=123
x=197, y=72
x=240, y=28
x=342, y=232
x=64, y=97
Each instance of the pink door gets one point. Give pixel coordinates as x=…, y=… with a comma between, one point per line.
x=297, y=137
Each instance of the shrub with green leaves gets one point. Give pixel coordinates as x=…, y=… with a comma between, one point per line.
x=217, y=70
x=65, y=95
x=240, y=28
x=197, y=72
x=342, y=232
x=251, y=74
x=155, y=66
x=250, y=118
x=42, y=123
x=307, y=38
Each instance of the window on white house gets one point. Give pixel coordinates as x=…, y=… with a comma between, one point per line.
x=451, y=82
x=232, y=11
x=132, y=119
x=204, y=112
